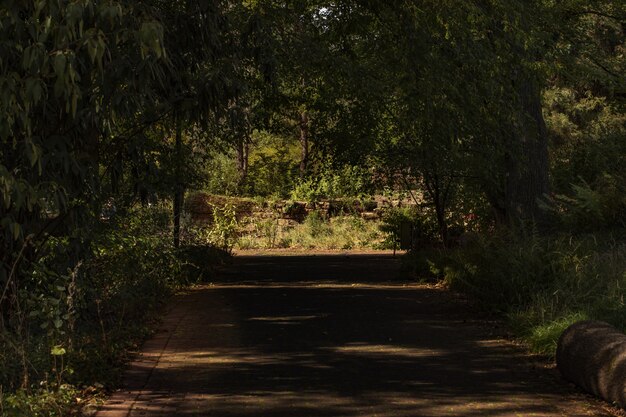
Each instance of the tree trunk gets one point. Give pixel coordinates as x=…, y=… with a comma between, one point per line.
x=304, y=142
x=243, y=149
x=179, y=191
x=440, y=210
x=527, y=159
x=439, y=197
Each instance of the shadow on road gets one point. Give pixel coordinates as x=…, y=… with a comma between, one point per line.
x=340, y=269
x=293, y=337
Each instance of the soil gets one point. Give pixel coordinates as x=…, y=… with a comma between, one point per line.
x=335, y=335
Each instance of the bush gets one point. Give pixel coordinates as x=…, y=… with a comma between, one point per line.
x=40, y=403
x=589, y=208
x=315, y=232
x=220, y=233
x=332, y=183
x=316, y=226
x=81, y=322
x=543, y=284
x=222, y=176
x=134, y=269
x=342, y=232
x=424, y=228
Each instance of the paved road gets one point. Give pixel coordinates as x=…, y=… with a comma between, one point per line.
x=333, y=336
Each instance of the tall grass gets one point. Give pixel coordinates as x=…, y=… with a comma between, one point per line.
x=315, y=232
x=543, y=284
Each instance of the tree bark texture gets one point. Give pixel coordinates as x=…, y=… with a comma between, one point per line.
x=438, y=191
x=243, y=150
x=304, y=142
x=527, y=159
x=178, y=189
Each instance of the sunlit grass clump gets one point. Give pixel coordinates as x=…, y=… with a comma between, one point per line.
x=543, y=284
x=315, y=232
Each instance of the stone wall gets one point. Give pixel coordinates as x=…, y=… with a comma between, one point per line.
x=200, y=207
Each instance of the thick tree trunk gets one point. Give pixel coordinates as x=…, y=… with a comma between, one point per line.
x=304, y=142
x=179, y=191
x=527, y=159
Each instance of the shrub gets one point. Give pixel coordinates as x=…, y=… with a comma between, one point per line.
x=83, y=320
x=423, y=226
x=332, y=183
x=40, y=403
x=588, y=208
x=544, y=283
x=267, y=231
x=315, y=232
x=221, y=232
x=315, y=225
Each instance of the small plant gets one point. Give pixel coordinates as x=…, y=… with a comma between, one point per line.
x=267, y=230
x=334, y=183
x=588, y=208
x=83, y=321
x=39, y=403
x=423, y=227
x=223, y=230
x=316, y=224
x=343, y=232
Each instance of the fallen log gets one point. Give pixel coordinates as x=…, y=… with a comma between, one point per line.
x=592, y=354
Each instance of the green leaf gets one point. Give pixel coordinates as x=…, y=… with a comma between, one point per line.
x=60, y=61
x=16, y=229
x=58, y=350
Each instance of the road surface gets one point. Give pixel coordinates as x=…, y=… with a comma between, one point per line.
x=325, y=335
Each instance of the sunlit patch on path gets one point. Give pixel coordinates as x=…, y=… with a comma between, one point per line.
x=332, y=336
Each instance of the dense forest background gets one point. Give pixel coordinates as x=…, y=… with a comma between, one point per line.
x=504, y=122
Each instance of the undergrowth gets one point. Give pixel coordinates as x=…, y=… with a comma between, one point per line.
x=343, y=232
x=73, y=335
x=541, y=284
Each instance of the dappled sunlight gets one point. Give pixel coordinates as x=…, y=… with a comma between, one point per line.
x=284, y=319
x=234, y=356
x=310, y=403
x=384, y=350
x=278, y=348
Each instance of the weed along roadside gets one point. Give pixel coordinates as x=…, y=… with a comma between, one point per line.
x=510, y=276
x=114, y=302
x=366, y=223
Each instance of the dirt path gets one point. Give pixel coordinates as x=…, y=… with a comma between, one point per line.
x=333, y=336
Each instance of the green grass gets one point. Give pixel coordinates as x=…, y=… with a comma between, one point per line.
x=316, y=232
x=540, y=284
x=542, y=335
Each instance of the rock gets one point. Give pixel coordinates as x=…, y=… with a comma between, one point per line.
x=592, y=354
x=287, y=223
x=296, y=210
x=369, y=215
